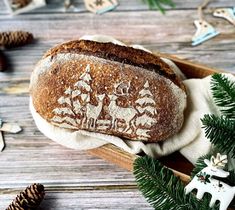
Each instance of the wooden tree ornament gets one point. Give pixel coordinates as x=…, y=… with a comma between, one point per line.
x=28, y=199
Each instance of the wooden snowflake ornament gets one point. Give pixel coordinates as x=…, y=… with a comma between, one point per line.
x=205, y=182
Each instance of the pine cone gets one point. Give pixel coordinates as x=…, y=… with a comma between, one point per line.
x=3, y=62
x=15, y=38
x=16, y=4
x=29, y=199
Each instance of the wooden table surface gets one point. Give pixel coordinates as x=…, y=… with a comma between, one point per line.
x=74, y=179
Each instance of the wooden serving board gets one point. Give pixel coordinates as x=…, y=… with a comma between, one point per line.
x=180, y=166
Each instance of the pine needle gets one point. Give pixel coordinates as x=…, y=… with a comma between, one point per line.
x=159, y=4
x=200, y=164
x=231, y=179
x=162, y=189
x=224, y=94
x=221, y=132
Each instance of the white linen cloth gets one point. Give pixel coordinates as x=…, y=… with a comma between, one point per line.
x=190, y=141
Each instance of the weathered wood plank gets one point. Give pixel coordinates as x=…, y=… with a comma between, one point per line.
x=170, y=34
x=87, y=199
x=56, y=6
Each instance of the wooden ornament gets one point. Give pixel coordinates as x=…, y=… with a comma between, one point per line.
x=11, y=128
x=2, y=142
x=7, y=127
x=205, y=182
x=205, y=31
x=21, y=6
x=226, y=13
x=100, y=6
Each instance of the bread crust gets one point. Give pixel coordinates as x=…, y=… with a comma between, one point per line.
x=107, y=88
x=118, y=53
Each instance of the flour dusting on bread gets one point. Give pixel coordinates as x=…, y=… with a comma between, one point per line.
x=80, y=91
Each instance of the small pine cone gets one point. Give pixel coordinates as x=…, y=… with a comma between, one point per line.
x=15, y=38
x=3, y=62
x=16, y=4
x=29, y=199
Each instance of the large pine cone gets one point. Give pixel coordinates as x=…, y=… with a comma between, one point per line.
x=15, y=38
x=29, y=199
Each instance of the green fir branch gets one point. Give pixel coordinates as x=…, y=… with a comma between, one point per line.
x=159, y=4
x=162, y=189
x=200, y=164
x=221, y=132
x=231, y=178
x=224, y=94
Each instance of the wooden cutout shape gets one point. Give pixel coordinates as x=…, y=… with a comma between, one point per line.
x=7, y=127
x=205, y=182
x=100, y=6
x=205, y=31
x=2, y=142
x=226, y=13
x=34, y=4
x=11, y=128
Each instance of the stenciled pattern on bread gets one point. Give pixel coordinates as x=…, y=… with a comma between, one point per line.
x=107, y=89
x=77, y=111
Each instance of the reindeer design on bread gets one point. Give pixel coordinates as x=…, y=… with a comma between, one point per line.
x=77, y=101
x=205, y=182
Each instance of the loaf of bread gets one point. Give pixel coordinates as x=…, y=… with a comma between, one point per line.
x=108, y=88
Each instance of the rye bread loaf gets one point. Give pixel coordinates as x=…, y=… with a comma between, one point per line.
x=110, y=89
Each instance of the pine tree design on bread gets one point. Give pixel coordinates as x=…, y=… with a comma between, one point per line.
x=73, y=103
x=146, y=107
x=77, y=110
